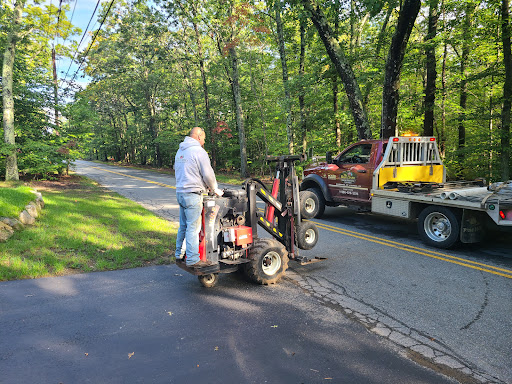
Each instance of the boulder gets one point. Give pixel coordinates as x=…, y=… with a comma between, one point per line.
x=13, y=223
x=5, y=231
x=40, y=200
x=26, y=218
x=31, y=208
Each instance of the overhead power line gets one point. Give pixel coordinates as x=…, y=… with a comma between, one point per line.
x=93, y=39
x=82, y=39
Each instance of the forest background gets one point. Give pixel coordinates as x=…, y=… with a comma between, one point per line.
x=262, y=78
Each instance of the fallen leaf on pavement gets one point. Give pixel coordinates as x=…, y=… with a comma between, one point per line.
x=216, y=348
x=274, y=326
x=86, y=354
x=170, y=313
x=131, y=354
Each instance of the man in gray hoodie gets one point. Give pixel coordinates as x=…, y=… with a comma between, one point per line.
x=194, y=176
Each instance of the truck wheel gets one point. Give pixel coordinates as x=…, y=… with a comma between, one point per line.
x=268, y=262
x=209, y=281
x=439, y=226
x=307, y=235
x=316, y=204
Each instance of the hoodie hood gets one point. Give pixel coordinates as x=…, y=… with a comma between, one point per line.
x=189, y=142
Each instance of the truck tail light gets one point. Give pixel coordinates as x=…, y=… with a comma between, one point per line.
x=506, y=214
x=432, y=139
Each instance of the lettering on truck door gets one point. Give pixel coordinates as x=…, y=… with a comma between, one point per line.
x=353, y=178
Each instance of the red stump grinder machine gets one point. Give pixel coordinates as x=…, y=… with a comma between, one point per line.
x=229, y=239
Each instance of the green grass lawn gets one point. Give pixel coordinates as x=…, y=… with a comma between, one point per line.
x=85, y=228
x=14, y=198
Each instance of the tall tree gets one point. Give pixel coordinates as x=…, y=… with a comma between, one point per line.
x=390, y=95
x=284, y=67
x=15, y=33
x=507, y=91
x=463, y=89
x=343, y=68
x=430, y=53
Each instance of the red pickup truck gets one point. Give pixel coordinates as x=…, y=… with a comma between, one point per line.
x=405, y=177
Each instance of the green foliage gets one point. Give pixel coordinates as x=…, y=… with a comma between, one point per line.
x=82, y=229
x=14, y=199
x=147, y=89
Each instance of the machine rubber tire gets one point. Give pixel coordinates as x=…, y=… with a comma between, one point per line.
x=309, y=204
x=306, y=235
x=319, y=210
x=269, y=261
x=209, y=281
x=439, y=226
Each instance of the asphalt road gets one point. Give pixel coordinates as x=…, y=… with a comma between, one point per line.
x=446, y=310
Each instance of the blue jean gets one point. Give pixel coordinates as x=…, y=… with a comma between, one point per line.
x=187, y=240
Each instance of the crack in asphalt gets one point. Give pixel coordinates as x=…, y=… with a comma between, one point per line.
x=484, y=304
x=433, y=353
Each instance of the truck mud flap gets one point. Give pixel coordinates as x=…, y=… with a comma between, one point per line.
x=471, y=228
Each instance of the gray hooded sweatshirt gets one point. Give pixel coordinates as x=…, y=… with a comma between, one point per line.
x=193, y=169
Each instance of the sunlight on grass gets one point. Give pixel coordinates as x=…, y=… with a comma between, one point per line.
x=14, y=199
x=86, y=229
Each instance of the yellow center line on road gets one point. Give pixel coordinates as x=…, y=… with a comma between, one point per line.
x=420, y=251
x=135, y=177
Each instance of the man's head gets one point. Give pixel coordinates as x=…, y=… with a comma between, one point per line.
x=198, y=134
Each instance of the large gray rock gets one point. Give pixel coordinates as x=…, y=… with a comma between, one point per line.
x=40, y=202
x=31, y=208
x=5, y=231
x=26, y=218
x=13, y=223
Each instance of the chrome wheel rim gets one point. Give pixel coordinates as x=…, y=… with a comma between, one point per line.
x=438, y=226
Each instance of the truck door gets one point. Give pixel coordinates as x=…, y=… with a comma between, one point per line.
x=353, y=178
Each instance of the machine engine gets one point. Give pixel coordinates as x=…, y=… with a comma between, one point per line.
x=224, y=230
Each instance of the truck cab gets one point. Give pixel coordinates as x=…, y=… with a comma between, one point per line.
x=347, y=178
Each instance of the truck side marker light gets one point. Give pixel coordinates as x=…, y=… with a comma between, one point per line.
x=502, y=215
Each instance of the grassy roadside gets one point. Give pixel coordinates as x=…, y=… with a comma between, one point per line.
x=13, y=199
x=85, y=228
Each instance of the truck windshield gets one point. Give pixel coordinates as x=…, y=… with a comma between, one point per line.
x=360, y=154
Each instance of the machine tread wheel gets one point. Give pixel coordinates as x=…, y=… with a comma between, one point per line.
x=306, y=235
x=209, y=281
x=439, y=226
x=308, y=204
x=269, y=261
x=319, y=211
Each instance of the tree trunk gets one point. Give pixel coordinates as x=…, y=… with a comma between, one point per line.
x=237, y=97
x=55, y=91
x=343, y=68
x=507, y=92
x=302, y=104
x=390, y=94
x=11, y=161
x=463, y=95
x=380, y=43
x=430, y=52
x=208, y=115
x=337, y=126
x=287, y=98
x=191, y=93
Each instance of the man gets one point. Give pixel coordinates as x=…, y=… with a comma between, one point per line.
x=194, y=175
